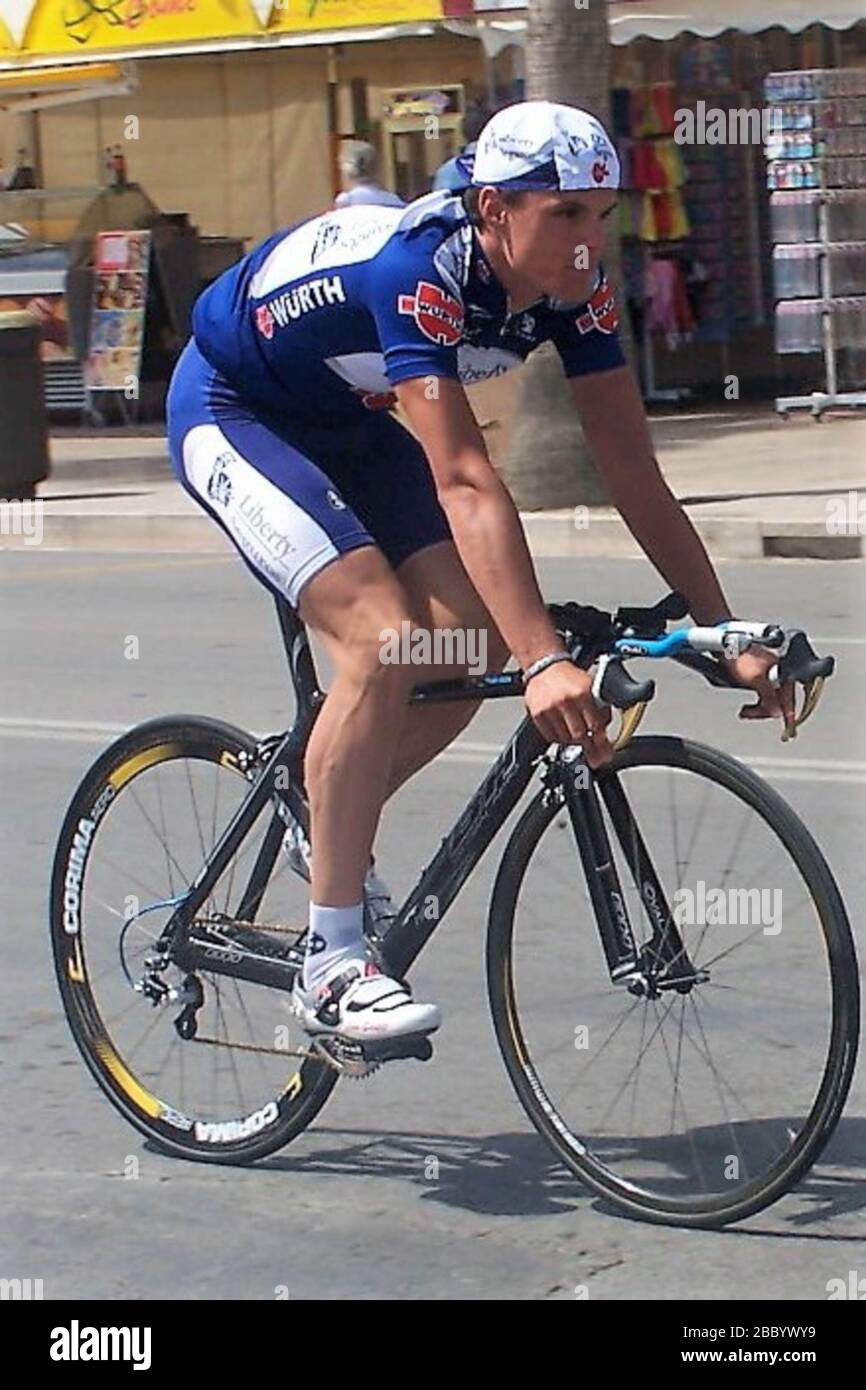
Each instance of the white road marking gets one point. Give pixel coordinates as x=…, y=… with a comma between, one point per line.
x=774, y=769
x=89, y=725
x=463, y=751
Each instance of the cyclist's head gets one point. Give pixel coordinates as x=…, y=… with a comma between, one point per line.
x=544, y=178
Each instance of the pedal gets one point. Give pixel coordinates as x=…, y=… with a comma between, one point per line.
x=415, y=1045
x=351, y=1058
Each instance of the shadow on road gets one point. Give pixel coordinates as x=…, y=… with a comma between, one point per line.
x=514, y=1174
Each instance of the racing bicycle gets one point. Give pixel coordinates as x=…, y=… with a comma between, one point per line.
x=671, y=973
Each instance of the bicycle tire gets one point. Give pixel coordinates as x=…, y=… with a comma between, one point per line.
x=163, y=739
x=842, y=1052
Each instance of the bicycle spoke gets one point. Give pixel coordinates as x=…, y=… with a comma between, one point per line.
x=170, y=859
x=216, y=792
x=168, y=863
x=593, y=1061
x=722, y=1081
x=195, y=809
x=250, y=1031
x=697, y=823
x=172, y=1042
x=157, y=1018
x=602, y=1121
x=231, y=1055
x=677, y=1095
x=634, y=1087
x=98, y=856
x=672, y=798
x=730, y=949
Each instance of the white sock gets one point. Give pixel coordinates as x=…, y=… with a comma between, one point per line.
x=336, y=933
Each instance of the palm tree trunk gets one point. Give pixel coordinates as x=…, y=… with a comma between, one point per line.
x=548, y=463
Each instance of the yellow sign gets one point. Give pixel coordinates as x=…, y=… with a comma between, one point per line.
x=56, y=28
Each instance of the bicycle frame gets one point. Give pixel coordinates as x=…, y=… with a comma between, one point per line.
x=458, y=853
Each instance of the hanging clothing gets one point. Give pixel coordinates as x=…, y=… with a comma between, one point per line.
x=667, y=301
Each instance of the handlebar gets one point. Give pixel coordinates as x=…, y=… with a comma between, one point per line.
x=594, y=636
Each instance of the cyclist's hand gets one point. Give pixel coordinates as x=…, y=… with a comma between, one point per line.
x=561, y=704
x=751, y=669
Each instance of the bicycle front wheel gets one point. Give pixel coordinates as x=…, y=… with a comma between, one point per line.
x=696, y=1107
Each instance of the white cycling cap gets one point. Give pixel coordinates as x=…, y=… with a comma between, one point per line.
x=543, y=145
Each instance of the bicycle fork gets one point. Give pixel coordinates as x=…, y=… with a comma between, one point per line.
x=663, y=962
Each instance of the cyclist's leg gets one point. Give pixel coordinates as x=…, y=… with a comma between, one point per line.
x=442, y=596
x=438, y=592
x=303, y=541
x=389, y=484
x=349, y=757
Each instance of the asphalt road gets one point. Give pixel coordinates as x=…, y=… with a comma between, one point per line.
x=354, y=1208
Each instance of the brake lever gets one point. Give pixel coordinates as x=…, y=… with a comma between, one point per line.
x=613, y=685
x=800, y=664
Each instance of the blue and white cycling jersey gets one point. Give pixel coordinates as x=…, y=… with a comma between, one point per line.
x=275, y=410
x=327, y=317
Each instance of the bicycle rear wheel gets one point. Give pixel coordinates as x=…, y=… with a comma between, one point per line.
x=692, y=1108
x=136, y=834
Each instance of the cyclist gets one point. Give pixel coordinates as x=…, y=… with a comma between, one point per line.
x=280, y=427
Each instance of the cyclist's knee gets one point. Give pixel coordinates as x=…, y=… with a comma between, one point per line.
x=463, y=636
x=378, y=656
x=361, y=612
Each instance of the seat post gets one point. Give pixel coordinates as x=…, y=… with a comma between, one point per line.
x=308, y=693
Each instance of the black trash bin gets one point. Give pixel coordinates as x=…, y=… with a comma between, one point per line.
x=23, y=415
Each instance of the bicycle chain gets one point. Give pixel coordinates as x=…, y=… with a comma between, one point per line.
x=318, y=1052
x=223, y=920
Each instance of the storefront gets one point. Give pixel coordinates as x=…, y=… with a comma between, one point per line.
x=702, y=239
x=230, y=112
x=227, y=120
x=695, y=217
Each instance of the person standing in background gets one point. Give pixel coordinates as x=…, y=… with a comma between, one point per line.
x=118, y=167
x=23, y=175
x=359, y=163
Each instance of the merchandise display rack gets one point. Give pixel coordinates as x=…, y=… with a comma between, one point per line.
x=816, y=171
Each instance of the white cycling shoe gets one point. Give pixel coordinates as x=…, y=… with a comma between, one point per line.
x=357, y=1001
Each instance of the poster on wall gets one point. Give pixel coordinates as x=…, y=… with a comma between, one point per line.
x=121, y=267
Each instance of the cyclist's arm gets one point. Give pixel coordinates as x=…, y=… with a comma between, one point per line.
x=615, y=424
x=483, y=518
